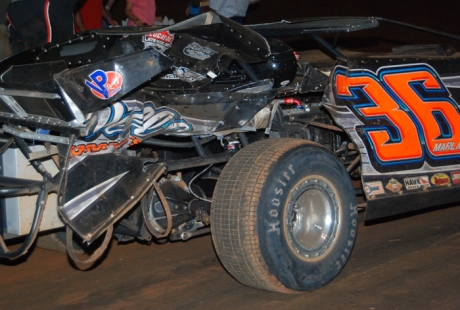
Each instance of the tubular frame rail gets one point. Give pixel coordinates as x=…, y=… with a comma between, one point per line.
x=15, y=187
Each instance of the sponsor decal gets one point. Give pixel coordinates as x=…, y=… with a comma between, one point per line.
x=455, y=176
x=440, y=179
x=297, y=55
x=374, y=188
x=158, y=40
x=446, y=146
x=79, y=149
x=125, y=123
x=285, y=83
x=184, y=74
x=393, y=185
x=416, y=182
x=197, y=51
x=170, y=76
x=105, y=85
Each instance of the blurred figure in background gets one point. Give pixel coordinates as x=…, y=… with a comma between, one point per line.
x=141, y=12
x=5, y=48
x=89, y=15
x=196, y=7
x=233, y=9
x=108, y=7
x=35, y=22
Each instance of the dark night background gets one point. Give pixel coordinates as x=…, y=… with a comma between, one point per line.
x=441, y=15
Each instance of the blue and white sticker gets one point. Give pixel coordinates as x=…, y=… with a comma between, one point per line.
x=374, y=188
x=197, y=51
x=184, y=74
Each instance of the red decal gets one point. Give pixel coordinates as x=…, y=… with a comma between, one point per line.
x=163, y=36
x=455, y=176
x=160, y=40
x=440, y=179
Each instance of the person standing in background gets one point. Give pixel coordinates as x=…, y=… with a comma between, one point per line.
x=35, y=22
x=108, y=7
x=5, y=49
x=233, y=9
x=90, y=16
x=141, y=12
x=196, y=7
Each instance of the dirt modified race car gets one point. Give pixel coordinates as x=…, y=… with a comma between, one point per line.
x=208, y=126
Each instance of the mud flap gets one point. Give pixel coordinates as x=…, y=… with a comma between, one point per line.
x=100, y=189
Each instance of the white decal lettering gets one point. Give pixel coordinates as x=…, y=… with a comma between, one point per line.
x=273, y=227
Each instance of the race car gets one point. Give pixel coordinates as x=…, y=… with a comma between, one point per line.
x=209, y=126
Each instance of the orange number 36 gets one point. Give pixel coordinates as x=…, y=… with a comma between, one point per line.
x=407, y=112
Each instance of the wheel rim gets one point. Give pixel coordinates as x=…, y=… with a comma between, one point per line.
x=312, y=218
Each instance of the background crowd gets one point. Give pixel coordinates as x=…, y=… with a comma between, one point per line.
x=274, y=10
x=34, y=22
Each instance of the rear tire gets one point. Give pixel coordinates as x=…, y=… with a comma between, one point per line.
x=284, y=215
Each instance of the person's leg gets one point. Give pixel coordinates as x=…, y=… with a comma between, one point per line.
x=27, y=27
x=61, y=18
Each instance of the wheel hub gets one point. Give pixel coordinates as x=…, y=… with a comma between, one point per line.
x=312, y=218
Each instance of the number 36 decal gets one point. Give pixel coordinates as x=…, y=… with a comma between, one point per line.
x=408, y=113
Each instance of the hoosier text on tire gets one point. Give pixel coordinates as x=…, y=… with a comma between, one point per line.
x=284, y=215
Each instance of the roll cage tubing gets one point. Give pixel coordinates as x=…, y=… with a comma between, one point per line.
x=314, y=27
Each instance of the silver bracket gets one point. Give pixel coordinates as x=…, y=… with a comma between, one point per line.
x=14, y=105
x=35, y=136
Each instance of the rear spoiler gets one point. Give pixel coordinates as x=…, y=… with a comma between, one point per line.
x=316, y=26
x=322, y=25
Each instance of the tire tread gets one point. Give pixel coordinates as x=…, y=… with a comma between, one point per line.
x=234, y=212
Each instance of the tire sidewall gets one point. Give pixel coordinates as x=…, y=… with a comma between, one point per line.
x=291, y=270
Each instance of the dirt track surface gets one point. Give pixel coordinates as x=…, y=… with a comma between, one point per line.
x=410, y=263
